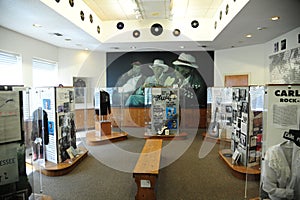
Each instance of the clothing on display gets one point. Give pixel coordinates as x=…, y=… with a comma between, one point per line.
x=104, y=103
x=281, y=170
x=40, y=132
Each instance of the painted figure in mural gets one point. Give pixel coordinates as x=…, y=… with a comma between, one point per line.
x=159, y=74
x=189, y=78
x=158, y=79
x=132, y=80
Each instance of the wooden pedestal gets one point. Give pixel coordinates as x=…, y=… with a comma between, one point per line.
x=104, y=127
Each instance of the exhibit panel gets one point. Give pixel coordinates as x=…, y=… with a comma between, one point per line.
x=14, y=182
x=219, y=112
x=281, y=148
x=164, y=111
x=232, y=119
x=58, y=114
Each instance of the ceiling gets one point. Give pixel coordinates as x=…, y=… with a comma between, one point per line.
x=20, y=15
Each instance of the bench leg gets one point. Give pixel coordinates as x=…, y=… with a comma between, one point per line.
x=145, y=186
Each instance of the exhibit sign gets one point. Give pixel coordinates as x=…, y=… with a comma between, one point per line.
x=283, y=112
x=8, y=163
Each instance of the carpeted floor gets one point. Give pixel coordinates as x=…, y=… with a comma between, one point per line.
x=187, y=178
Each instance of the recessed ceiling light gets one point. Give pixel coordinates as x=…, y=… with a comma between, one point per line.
x=37, y=25
x=132, y=47
x=261, y=28
x=248, y=36
x=275, y=18
x=181, y=47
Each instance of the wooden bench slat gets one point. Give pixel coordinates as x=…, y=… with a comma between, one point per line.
x=149, y=160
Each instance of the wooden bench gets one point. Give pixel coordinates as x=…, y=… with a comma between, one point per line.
x=147, y=169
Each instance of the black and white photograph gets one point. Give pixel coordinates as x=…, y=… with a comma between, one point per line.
x=80, y=85
x=284, y=67
x=243, y=140
x=283, y=44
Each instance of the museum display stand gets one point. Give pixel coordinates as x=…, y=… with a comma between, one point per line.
x=164, y=112
x=236, y=124
x=14, y=182
x=107, y=122
x=61, y=154
x=281, y=134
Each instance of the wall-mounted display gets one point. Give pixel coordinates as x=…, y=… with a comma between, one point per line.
x=284, y=67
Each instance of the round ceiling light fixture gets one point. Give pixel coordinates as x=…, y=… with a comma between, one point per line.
x=136, y=33
x=156, y=29
x=176, y=32
x=194, y=23
x=120, y=25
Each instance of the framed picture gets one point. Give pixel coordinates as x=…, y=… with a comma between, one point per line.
x=283, y=44
x=298, y=37
x=276, y=47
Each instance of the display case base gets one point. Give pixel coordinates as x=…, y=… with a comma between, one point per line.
x=94, y=138
x=240, y=171
x=40, y=197
x=180, y=136
x=59, y=169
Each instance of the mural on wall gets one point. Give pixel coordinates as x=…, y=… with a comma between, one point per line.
x=284, y=67
x=130, y=73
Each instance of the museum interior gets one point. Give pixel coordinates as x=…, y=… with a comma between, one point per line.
x=150, y=99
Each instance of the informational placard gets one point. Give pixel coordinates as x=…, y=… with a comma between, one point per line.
x=10, y=120
x=283, y=113
x=8, y=163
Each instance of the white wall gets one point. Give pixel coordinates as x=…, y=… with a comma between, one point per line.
x=70, y=62
x=28, y=48
x=243, y=60
x=76, y=63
